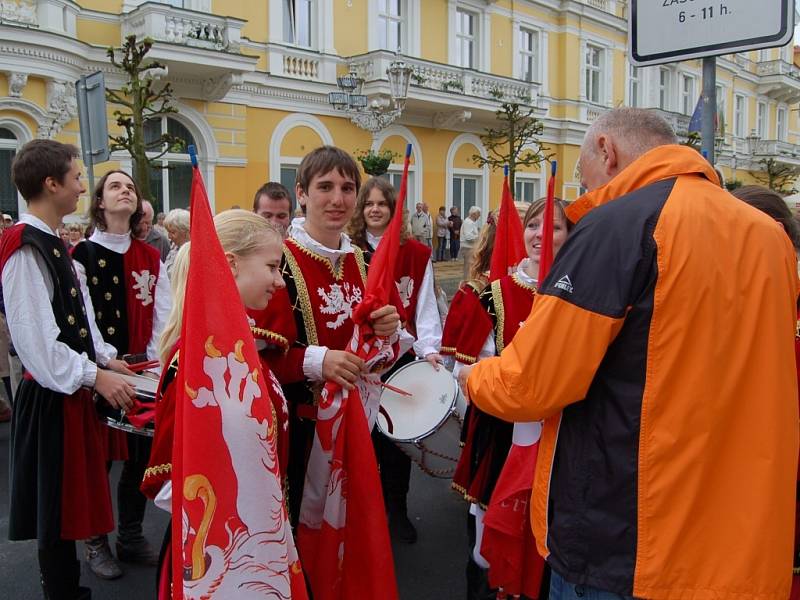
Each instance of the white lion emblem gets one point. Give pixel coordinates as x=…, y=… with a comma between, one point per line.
x=145, y=282
x=339, y=302
x=405, y=287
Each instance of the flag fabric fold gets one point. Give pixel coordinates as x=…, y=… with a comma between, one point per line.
x=343, y=533
x=230, y=534
x=509, y=246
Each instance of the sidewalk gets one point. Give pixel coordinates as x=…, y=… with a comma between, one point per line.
x=448, y=275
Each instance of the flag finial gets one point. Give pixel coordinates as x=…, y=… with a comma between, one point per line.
x=505, y=171
x=408, y=150
x=193, y=154
x=553, y=168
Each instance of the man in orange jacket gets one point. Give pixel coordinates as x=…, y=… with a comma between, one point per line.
x=660, y=353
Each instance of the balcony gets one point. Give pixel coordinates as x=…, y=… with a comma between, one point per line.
x=301, y=63
x=444, y=87
x=783, y=152
x=678, y=121
x=193, y=45
x=779, y=80
x=46, y=15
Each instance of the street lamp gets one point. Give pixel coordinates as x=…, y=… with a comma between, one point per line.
x=753, y=142
x=376, y=115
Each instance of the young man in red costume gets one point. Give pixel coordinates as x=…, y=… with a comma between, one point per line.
x=325, y=279
x=130, y=293
x=59, y=485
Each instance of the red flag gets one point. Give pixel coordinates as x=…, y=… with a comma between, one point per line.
x=230, y=531
x=343, y=534
x=509, y=247
x=546, y=257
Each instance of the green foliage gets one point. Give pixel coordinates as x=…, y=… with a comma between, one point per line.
x=376, y=163
x=514, y=142
x=140, y=101
x=777, y=176
x=452, y=84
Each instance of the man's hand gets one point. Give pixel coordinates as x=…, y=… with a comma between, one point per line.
x=119, y=366
x=342, y=368
x=385, y=321
x=463, y=375
x=118, y=392
x=435, y=359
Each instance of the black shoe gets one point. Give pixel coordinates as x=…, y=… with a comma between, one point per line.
x=402, y=529
x=136, y=550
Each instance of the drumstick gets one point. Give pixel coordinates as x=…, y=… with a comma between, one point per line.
x=396, y=390
x=141, y=366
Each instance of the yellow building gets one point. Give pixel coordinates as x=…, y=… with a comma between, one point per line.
x=252, y=79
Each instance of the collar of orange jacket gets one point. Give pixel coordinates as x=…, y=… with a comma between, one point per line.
x=657, y=164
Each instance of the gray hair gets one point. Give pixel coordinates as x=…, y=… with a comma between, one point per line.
x=474, y=210
x=177, y=218
x=638, y=129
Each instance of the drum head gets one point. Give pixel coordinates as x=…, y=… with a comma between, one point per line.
x=433, y=396
x=146, y=387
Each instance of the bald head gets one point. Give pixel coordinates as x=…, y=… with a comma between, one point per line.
x=616, y=139
x=146, y=224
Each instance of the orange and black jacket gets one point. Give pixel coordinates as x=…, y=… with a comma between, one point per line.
x=660, y=351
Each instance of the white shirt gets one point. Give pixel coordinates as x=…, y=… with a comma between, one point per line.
x=469, y=232
x=162, y=298
x=315, y=355
x=28, y=293
x=426, y=315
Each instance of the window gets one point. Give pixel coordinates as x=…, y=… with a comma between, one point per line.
x=465, y=194
x=687, y=94
x=391, y=15
x=739, y=107
x=288, y=180
x=170, y=185
x=297, y=22
x=663, y=88
x=8, y=193
x=633, y=87
x=761, y=120
x=526, y=190
x=527, y=54
x=720, y=100
x=781, y=124
x=594, y=71
x=466, y=39
x=394, y=178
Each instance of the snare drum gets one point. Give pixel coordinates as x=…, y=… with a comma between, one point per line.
x=146, y=389
x=427, y=425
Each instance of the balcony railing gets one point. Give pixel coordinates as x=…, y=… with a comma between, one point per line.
x=779, y=80
x=428, y=75
x=20, y=12
x=165, y=23
x=47, y=15
x=609, y=6
x=778, y=67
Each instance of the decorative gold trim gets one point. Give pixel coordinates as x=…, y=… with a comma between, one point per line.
x=302, y=293
x=157, y=470
x=269, y=334
x=518, y=280
x=337, y=272
x=362, y=266
x=466, y=358
x=461, y=491
x=447, y=350
x=500, y=313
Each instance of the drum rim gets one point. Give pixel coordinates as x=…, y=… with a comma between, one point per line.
x=128, y=428
x=418, y=438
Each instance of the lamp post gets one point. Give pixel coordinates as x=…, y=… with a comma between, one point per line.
x=376, y=115
x=753, y=143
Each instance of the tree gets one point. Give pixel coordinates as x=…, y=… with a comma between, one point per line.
x=514, y=142
x=779, y=177
x=140, y=102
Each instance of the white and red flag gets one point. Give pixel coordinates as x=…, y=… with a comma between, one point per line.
x=343, y=534
x=508, y=545
x=230, y=533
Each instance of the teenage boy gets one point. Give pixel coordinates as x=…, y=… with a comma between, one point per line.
x=130, y=292
x=59, y=485
x=325, y=279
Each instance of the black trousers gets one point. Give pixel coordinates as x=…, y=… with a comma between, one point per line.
x=131, y=503
x=61, y=572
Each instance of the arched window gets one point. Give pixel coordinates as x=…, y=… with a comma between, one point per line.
x=170, y=186
x=8, y=193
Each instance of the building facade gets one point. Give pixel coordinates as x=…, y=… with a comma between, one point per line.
x=252, y=78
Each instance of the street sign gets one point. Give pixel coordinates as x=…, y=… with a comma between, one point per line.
x=91, y=95
x=664, y=31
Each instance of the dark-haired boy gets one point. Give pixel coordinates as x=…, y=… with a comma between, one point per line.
x=325, y=279
x=59, y=485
